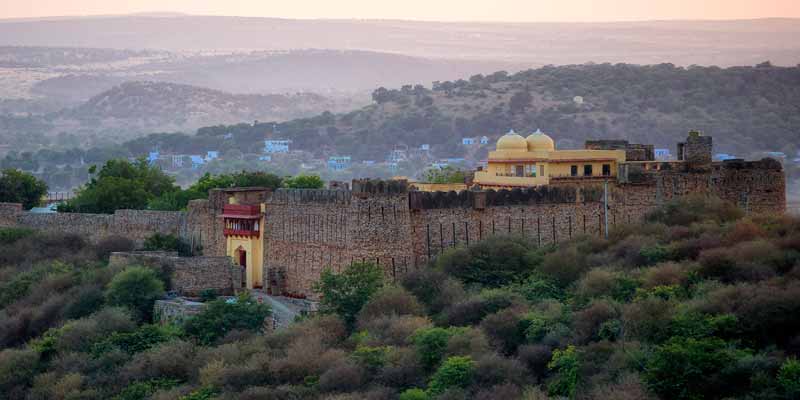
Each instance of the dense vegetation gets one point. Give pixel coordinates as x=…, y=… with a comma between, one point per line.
x=19, y=187
x=698, y=302
x=121, y=184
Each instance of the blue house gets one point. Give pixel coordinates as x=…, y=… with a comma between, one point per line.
x=338, y=163
x=468, y=141
x=662, y=154
x=277, y=146
x=425, y=147
x=152, y=157
x=197, y=161
x=212, y=155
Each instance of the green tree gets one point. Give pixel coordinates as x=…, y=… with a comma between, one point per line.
x=431, y=344
x=304, y=182
x=444, y=175
x=224, y=315
x=789, y=378
x=21, y=187
x=565, y=364
x=689, y=368
x=493, y=262
x=454, y=372
x=121, y=184
x=346, y=293
x=136, y=288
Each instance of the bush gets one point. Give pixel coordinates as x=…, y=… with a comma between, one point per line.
x=565, y=366
x=390, y=300
x=17, y=369
x=402, y=369
x=505, y=329
x=171, y=360
x=493, y=262
x=108, y=245
x=431, y=344
x=695, y=208
x=222, y=316
x=414, y=394
x=346, y=293
x=565, y=265
x=493, y=369
x=167, y=242
x=21, y=187
x=143, y=338
x=687, y=368
x=343, y=376
x=136, y=288
x=454, y=372
x=11, y=235
x=789, y=378
x=536, y=358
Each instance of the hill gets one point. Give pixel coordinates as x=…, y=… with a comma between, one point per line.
x=745, y=109
x=698, y=302
x=722, y=43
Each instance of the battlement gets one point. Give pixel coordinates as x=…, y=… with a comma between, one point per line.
x=305, y=196
x=490, y=198
x=379, y=186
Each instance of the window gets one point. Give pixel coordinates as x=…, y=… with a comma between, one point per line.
x=606, y=169
x=573, y=170
x=519, y=170
x=587, y=170
x=532, y=171
x=541, y=169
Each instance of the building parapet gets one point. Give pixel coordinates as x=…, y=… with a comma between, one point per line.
x=490, y=198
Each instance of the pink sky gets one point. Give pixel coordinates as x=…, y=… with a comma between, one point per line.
x=443, y=10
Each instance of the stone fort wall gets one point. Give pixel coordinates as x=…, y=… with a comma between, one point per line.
x=136, y=225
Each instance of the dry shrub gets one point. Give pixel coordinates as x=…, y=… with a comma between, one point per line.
x=504, y=391
x=469, y=342
x=110, y=244
x=391, y=300
x=665, y=274
x=169, y=360
x=535, y=357
x=330, y=330
x=434, y=289
x=17, y=367
x=766, y=311
x=80, y=334
x=343, y=376
x=492, y=369
x=534, y=393
x=306, y=356
x=586, y=323
x=402, y=369
x=284, y=392
x=597, y=282
x=744, y=230
x=503, y=329
x=629, y=386
x=393, y=330
x=629, y=250
x=565, y=265
x=468, y=312
x=756, y=260
x=648, y=318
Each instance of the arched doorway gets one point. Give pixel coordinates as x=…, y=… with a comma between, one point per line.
x=241, y=259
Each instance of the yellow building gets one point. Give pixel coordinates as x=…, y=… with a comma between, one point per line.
x=243, y=227
x=533, y=161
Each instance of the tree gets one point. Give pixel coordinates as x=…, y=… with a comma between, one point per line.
x=121, y=184
x=21, y=187
x=444, y=175
x=136, y=288
x=224, y=315
x=493, y=262
x=346, y=293
x=565, y=364
x=454, y=372
x=304, y=182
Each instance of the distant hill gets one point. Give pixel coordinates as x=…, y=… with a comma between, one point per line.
x=160, y=106
x=746, y=109
x=722, y=43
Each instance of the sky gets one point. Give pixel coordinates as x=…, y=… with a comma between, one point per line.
x=430, y=10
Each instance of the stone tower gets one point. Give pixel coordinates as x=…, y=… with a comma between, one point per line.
x=696, y=151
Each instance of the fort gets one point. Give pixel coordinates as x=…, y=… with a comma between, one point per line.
x=280, y=241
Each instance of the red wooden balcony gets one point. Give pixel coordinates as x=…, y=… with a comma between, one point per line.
x=241, y=220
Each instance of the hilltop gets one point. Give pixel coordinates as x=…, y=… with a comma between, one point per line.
x=745, y=109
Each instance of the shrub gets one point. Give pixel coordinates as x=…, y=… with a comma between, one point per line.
x=565, y=366
x=343, y=376
x=505, y=329
x=171, y=360
x=414, y=394
x=144, y=389
x=371, y=358
x=21, y=187
x=504, y=391
x=536, y=358
x=108, y=245
x=167, y=242
x=493, y=369
x=565, y=265
x=390, y=300
x=454, y=372
x=346, y=293
x=17, y=368
x=493, y=262
x=431, y=344
x=393, y=330
x=11, y=235
x=587, y=322
x=434, y=289
x=695, y=208
x=789, y=377
x=82, y=334
x=402, y=369
x=222, y=316
x=688, y=368
x=143, y=338
x=665, y=274
x=136, y=288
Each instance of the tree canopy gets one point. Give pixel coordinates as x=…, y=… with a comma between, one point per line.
x=21, y=187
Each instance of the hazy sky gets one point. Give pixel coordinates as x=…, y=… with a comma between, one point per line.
x=445, y=10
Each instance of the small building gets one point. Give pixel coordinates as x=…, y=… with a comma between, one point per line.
x=468, y=141
x=484, y=140
x=662, y=154
x=533, y=161
x=397, y=156
x=724, y=156
x=152, y=157
x=339, y=163
x=197, y=161
x=425, y=147
x=212, y=155
x=177, y=161
x=277, y=146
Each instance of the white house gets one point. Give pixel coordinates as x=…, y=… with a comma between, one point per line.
x=277, y=146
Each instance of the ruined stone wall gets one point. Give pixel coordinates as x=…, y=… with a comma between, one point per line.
x=204, y=227
x=189, y=275
x=309, y=230
x=136, y=225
